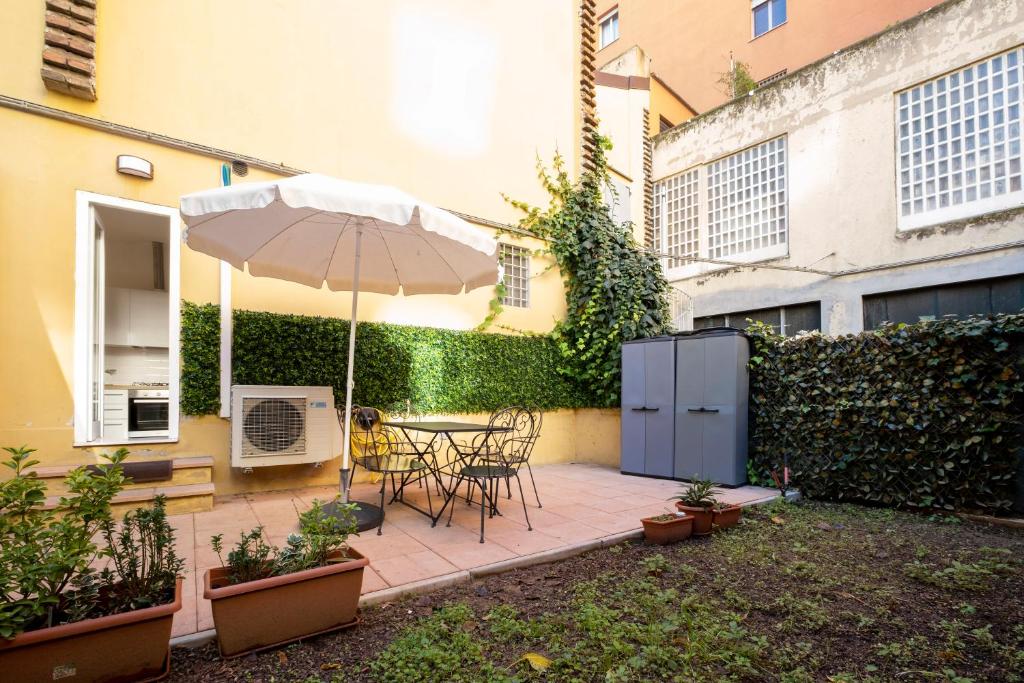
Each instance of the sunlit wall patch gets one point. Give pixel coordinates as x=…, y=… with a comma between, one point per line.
x=444, y=88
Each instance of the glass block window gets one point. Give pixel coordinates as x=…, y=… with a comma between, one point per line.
x=959, y=143
x=677, y=214
x=515, y=264
x=746, y=196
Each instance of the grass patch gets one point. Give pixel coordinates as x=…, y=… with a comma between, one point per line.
x=807, y=592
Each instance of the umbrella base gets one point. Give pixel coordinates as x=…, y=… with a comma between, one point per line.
x=368, y=515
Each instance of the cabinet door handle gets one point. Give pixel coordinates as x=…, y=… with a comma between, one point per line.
x=639, y=410
x=652, y=410
x=702, y=409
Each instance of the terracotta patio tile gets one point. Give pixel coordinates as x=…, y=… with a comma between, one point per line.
x=412, y=567
x=392, y=543
x=372, y=581
x=525, y=542
x=473, y=553
x=573, y=532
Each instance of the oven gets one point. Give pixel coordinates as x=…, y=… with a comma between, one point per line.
x=148, y=412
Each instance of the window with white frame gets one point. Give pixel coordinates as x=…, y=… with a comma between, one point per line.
x=734, y=208
x=747, y=200
x=767, y=14
x=959, y=143
x=515, y=264
x=609, y=28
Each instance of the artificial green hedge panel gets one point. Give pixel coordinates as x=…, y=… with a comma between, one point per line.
x=926, y=415
x=439, y=371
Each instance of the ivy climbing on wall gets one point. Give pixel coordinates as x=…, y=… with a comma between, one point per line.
x=615, y=291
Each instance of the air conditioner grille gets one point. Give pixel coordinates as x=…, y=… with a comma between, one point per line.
x=273, y=426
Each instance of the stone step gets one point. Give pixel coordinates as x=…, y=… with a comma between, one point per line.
x=190, y=488
x=180, y=499
x=186, y=470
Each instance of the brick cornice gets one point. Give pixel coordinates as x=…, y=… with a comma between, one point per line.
x=588, y=91
x=69, y=49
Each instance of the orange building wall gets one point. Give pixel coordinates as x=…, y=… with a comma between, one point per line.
x=689, y=41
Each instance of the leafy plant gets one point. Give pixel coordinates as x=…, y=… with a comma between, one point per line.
x=737, y=82
x=320, y=536
x=320, y=539
x=145, y=564
x=928, y=415
x=438, y=371
x=44, y=553
x=614, y=290
x=699, y=494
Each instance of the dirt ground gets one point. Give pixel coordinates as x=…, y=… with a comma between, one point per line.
x=797, y=592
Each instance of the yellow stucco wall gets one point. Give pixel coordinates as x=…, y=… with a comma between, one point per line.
x=666, y=103
x=325, y=89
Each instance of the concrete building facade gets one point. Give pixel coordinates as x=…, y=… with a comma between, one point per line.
x=881, y=183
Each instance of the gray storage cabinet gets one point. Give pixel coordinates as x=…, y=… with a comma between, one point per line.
x=711, y=406
x=648, y=399
x=684, y=406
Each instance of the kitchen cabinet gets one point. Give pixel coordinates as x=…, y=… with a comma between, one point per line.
x=136, y=317
x=115, y=414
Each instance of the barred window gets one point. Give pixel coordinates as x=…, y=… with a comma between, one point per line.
x=747, y=200
x=959, y=143
x=515, y=263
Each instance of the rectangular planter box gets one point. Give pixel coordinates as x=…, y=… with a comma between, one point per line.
x=131, y=646
x=281, y=609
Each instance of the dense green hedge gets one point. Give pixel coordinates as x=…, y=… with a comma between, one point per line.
x=926, y=415
x=440, y=371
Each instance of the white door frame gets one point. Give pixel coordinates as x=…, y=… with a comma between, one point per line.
x=84, y=234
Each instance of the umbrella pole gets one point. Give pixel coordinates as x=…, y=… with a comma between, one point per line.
x=367, y=514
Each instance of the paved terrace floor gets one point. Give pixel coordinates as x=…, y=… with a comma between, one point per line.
x=581, y=503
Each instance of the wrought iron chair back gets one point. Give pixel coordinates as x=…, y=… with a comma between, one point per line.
x=512, y=444
x=374, y=446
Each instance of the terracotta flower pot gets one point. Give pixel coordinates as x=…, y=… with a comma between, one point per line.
x=663, y=532
x=728, y=516
x=702, y=518
x=131, y=646
x=259, y=614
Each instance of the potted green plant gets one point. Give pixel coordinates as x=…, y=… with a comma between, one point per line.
x=698, y=500
x=59, y=616
x=670, y=527
x=726, y=515
x=263, y=597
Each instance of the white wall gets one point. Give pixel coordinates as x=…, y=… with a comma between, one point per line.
x=131, y=365
x=838, y=116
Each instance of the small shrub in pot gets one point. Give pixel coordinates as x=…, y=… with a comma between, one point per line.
x=698, y=500
x=311, y=586
x=671, y=527
x=59, y=616
x=726, y=515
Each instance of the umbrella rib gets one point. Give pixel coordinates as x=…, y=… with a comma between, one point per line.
x=387, y=248
x=210, y=217
x=334, y=251
x=278, y=233
x=443, y=259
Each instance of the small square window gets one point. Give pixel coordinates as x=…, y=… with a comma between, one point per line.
x=768, y=14
x=609, y=29
x=515, y=266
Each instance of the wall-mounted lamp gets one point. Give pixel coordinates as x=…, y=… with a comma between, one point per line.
x=135, y=166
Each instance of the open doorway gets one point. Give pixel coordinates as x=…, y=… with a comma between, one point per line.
x=126, y=322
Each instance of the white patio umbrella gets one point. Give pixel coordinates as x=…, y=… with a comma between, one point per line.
x=314, y=229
